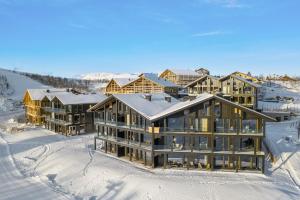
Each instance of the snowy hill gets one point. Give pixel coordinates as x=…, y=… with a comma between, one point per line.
x=16, y=84
x=106, y=76
x=19, y=83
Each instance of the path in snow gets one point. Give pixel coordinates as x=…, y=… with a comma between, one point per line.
x=70, y=165
x=14, y=186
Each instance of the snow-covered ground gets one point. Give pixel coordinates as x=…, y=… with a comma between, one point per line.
x=282, y=139
x=69, y=166
x=38, y=164
x=18, y=85
x=282, y=90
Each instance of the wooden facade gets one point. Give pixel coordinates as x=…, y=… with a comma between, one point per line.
x=142, y=84
x=234, y=88
x=68, y=119
x=208, y=135
x=33, y=110
x=209, y=84
x=180, y=77
x=239, y=90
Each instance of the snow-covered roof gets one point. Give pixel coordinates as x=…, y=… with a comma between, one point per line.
x=147, y=108
x=69, y=98
x=241, y=79
x=123, y=81
x=158, y=107
x=184, y=72
x=39, y=94
x=161, y=81
x=201, y=78
x=182, y=105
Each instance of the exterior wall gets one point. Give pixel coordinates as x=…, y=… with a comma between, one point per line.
x=33, y=112
x=180, y=80
x=69, y=119
x=210, y=135
x=141, y=85
x=112, y=88
x=208, y=84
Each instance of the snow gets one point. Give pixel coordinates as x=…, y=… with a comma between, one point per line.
x=106, y=76
x=74, y=170
x=287, y=92
x=37, y=164
x=282, y=139
x=20, y=83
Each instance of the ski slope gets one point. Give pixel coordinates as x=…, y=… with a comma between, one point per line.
x=19, y=83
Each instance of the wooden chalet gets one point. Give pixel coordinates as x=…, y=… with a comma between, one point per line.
x=145, y=83
x=66, y=113
x=240, y=90
x=207, y=133
x=32, y=101
x=205, y=84
x=182, y=77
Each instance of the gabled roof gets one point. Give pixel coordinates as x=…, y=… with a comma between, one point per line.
x=184, y=72
x=72, y=99
x=241, y=79
x=200, y=79
x=39, y=94
x=140, y=104
x=123, y=81
x=158, y=107
x=160, y=81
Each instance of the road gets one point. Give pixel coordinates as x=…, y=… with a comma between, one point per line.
x=15, y=186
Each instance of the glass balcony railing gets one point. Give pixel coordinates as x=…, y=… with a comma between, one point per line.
x=125, y=141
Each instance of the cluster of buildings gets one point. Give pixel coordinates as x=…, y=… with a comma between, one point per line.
x=181, y=119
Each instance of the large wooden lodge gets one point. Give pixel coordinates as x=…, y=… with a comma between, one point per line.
x=157, y=130
x=61, y=110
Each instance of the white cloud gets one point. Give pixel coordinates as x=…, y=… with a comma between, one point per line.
x=211, y=33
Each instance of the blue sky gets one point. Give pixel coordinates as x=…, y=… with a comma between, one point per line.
x=70, y=37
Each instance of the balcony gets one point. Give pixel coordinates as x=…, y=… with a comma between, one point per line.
x=55, y=110
x=228, y=126
x=198, y=148
x=58, y=121
x=126, y=142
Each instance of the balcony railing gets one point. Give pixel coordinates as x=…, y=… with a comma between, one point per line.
x=125, y=141
x=182, y=147
x=58, y=121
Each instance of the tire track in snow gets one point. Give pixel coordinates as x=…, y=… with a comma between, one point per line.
x=91, y=155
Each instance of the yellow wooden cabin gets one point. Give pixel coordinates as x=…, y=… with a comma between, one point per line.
x=33, y=106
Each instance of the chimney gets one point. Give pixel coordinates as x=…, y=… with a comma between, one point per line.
x=168, y=99
x=148, y=97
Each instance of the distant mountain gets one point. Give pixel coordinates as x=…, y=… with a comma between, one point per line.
x=106, y=76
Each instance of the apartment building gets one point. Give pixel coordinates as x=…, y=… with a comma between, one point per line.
x=157, y=130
